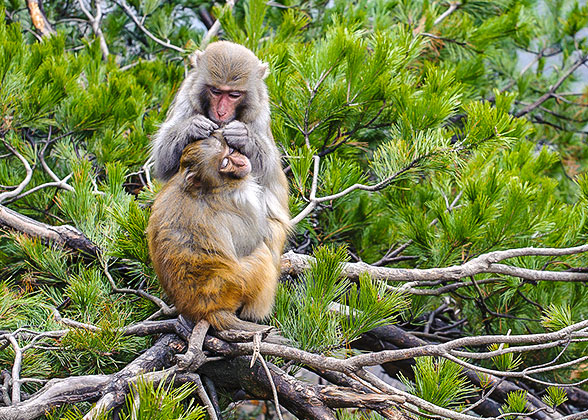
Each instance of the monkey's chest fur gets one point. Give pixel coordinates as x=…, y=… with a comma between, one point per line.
x=210, y=254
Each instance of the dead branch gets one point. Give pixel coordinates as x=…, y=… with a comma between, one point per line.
x=215, y=28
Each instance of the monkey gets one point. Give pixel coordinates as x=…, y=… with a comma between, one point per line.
x=225, y=90
x=207, y=238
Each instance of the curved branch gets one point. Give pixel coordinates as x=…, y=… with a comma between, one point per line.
x=131, y=14
x=294, y=264
x=29, y=175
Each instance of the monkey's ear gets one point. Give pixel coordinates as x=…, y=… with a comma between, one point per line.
x=263, y=70
x=195, y=57
x=191, y=179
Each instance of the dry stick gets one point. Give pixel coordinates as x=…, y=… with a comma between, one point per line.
x=204, y=397
x=15, y=369
x=95, y=22
x=257, y=355
x=131, y=14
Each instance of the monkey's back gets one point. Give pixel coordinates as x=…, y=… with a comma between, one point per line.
x=209, y=253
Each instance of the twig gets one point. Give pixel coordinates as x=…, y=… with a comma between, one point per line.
x=256, y=356
x=551, y=92
x=204, y=397
x=131, y=14
x=29, y=174
x=453, y=6
x=167, y=310
x=95, y=21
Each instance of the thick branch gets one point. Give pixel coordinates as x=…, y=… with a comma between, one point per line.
x=63, y=235
x=38, y=17
x=294, y=264
x=71, y=390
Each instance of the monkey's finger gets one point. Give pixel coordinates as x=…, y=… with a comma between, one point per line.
x=235, y=132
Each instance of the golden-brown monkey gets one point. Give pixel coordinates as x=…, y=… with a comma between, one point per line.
x=226, y=90
x=208, y=238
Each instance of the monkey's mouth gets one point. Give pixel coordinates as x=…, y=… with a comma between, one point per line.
x=225, y=161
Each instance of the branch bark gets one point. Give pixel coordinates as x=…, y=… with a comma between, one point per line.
x=38, y=17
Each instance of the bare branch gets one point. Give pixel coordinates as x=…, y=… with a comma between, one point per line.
x=453, y=6
x=95, y=22
x=131, y=14
x=293, y=264
x=29, y=174
x=551, y=92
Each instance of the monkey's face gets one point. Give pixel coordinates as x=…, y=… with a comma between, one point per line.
x=211, y=163
x=223, y=103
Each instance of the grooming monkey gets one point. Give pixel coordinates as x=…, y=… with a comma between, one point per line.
x=226, y=90
x=207, y=238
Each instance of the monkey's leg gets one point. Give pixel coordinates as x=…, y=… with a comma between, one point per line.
x=194, y=356
x=261, y=284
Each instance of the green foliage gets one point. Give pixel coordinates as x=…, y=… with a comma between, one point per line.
x=306, y=312
x=555, y=396
x=516, y=402
x=439, y=381
x=382, y=91
x=507, y=361
x=148, y=402
x=557, y=317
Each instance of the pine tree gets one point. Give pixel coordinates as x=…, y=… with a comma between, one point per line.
x=435, y=153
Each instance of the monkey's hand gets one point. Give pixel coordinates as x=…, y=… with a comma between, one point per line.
x=201, y=127
x=237, y=136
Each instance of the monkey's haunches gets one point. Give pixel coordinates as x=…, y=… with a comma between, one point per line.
x=210, y=240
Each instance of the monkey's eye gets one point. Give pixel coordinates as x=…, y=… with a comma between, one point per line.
x=215, y=91
x=224, y=163
x=231, y=150
x=235, y=94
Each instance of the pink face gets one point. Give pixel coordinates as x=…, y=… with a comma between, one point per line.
x=223, y=103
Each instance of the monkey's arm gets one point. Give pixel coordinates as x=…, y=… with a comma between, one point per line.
x=259, y=146
x=175, y=133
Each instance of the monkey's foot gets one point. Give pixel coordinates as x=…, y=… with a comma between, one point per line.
x=194, y=356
